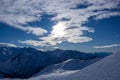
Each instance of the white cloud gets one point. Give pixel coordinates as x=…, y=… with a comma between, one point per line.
x=20, y=12
x=107, y=15
x=61, y=32
x=31, y=42
x=79, y=39
x=17, y=13
x=7, y=45
x=36, y=31
x=56, y=47
x=108, y=46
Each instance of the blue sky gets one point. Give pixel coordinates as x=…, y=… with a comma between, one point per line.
x=84, y=25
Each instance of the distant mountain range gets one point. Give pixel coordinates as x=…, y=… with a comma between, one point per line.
x=24, y=62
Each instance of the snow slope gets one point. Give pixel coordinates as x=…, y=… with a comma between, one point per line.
x=105, y=69
x=68, y=65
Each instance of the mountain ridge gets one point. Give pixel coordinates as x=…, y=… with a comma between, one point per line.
x=23, y=62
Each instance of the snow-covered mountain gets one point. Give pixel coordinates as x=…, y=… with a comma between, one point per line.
x=16, y=62
x=105, y=69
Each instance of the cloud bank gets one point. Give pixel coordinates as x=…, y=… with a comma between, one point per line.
x=7, y=45
x=108, y=46
x=69, y=16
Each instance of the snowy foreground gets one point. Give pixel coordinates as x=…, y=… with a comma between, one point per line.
x=107, y=68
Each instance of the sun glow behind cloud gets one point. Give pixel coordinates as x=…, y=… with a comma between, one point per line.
x=59, y=30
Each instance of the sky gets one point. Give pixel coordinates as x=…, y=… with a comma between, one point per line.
x=83, y=25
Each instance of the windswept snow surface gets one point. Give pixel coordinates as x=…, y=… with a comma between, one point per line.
x=67, y=66
x=105, y=69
